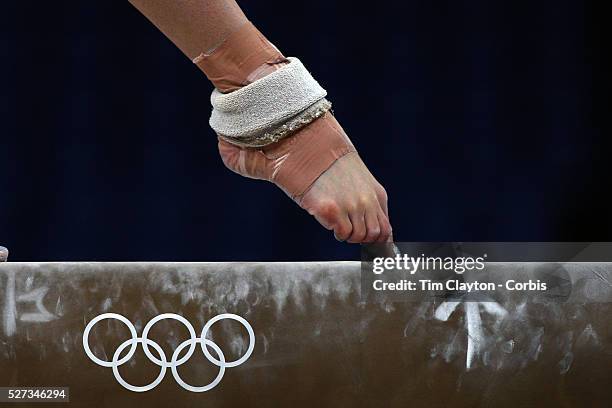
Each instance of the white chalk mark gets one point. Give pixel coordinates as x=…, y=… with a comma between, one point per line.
x=59, y=308
x=600, y=276
x=508, y=346
x=106, y=305
x=27, y=285
x=473, y=323
x=10, y=308
x=266, y=344
x=495, y=309
x=389, y=307
x=444, y=311
x=36, y=296
x=566, y=363
x=588, y=337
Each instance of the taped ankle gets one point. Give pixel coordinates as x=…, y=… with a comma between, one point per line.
x=313, y=140
x=270, y=108
x=245, y=56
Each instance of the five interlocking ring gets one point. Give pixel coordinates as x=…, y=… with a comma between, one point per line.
x=162, y=361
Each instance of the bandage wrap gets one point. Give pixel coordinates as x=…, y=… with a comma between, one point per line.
x=270, y=108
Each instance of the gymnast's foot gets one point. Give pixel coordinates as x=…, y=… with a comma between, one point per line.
x=343, y=197
x=348, y=200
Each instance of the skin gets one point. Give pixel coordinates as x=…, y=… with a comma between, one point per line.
x=346, y=198
x=3, y=254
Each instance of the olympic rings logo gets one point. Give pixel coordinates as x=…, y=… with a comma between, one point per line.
x=162, y=361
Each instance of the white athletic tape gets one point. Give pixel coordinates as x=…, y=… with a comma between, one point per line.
x=266, y=103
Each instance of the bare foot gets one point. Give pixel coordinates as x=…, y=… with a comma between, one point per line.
x=345, y=198
x=348, y=200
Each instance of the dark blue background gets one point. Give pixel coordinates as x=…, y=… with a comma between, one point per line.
x=485, y=120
